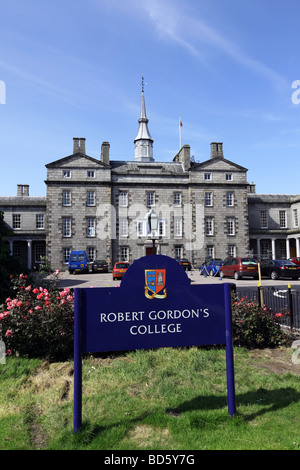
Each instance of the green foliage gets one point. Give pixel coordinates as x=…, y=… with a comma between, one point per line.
x=255, y=326
x=38, y=321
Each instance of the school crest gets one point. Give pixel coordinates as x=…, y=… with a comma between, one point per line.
x=155, y=281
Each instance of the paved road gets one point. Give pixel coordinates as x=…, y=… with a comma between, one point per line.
x=105, y=280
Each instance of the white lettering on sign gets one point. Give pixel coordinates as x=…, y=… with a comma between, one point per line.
x=154, y=315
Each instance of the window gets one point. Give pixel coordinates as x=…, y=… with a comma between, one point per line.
x=263, y=219
x=66, y=227
x=282, y=219
x=65, y=255
x=295, y=215
x=150, y=199
x=141, y=228
x=66, y=198
x=66, y=174
x=228, y=176
x=91, y=227
x=229, y=199
x=90, y=173
x=123, y=227
x=178, y=251
x=208, y=199
x=39, y=221
x=16, y=221
x=177, y=227
x=177, y=199
x=123, y=199
x=161, y=228
x=124, y=253
x=265, y=251
x=209, y=226
x=207, y=176
x=232, y=251
x=210, y=251
x=283, y=249
x=230, y=226
x=90, y=200
x=39, y=251
x=91, y=254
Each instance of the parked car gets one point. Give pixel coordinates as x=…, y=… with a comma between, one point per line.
x=78, y=262
x=211, y=267
x=120, y=269
x=274, y=269
x=295, y=260
x=185, y=263
x=239, y=267
x=100, y=265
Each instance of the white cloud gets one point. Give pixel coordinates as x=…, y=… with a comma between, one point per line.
x=172, y=21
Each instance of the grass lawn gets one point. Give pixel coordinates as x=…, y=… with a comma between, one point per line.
x=165, y=399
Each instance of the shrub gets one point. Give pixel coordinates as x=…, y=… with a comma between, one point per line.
x=256, y=327
x=37, y=321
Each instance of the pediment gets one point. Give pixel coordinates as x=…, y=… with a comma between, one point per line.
x=218, y=163
x=78, y=160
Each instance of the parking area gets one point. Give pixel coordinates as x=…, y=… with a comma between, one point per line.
x=106, y=280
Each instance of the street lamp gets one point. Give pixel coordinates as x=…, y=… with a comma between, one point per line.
x=152, y=225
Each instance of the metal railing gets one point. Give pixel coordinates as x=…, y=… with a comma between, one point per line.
x=280, y=300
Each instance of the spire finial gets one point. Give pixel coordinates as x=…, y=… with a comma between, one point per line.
x=143, y=84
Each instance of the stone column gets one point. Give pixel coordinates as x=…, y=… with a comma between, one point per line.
x=273, y=240
x=29, y=251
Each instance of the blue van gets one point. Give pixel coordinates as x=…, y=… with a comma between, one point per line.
x=78, y=262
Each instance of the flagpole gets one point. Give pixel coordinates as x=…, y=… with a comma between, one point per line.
x=179, y=132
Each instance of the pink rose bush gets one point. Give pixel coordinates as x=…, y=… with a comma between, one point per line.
x=256, y=327
x=38, y=321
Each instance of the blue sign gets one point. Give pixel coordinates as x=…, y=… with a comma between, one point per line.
x=155, y=306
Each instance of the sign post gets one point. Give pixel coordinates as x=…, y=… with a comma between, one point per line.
x=155, y=306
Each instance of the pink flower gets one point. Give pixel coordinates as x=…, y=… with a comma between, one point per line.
x=19, y=303
x=278, y=315
x=35, y=291
x=37, y=308
x=8, y=352
x=28, y=288
x=40, y=296
x=8, y=333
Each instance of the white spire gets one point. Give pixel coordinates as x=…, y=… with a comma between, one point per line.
x=143, y=142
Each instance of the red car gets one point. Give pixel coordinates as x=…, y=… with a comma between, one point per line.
x=295, y=260
x=239, y=267
x=120, y=269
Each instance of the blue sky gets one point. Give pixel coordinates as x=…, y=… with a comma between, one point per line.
x=73, y=69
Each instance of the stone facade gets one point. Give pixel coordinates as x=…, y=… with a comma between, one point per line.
x=100, y=206
x=25, y=216
x=274, y=225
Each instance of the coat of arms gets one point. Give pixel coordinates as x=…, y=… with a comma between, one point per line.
x=155, y=281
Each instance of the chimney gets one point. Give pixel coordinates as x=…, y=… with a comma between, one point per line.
x=82, y=145
x=75, y=145
x=78, y=145
x=22, y=190
x=184, y=157
x=105, y=153
x=216, y=150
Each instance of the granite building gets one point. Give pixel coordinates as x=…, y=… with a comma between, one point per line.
x=205, y=210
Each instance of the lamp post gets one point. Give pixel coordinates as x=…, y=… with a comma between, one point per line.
x=152, y=225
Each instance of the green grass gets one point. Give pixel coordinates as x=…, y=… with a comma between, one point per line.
x=166, y=399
